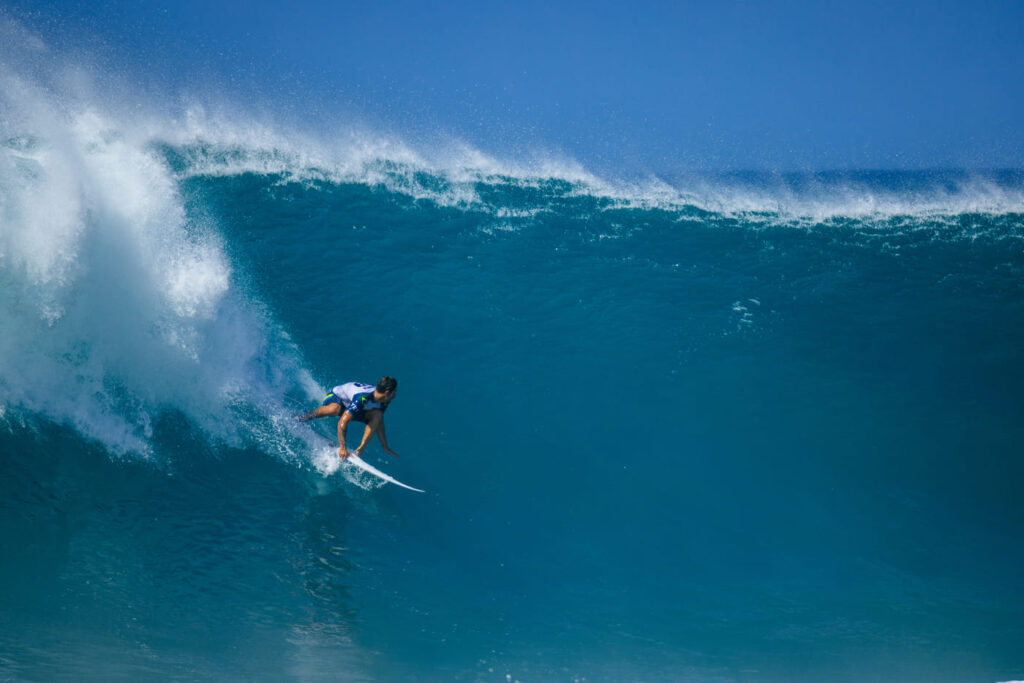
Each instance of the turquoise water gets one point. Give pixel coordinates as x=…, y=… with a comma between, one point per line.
x=751, y=427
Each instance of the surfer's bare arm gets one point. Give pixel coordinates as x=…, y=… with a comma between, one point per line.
x=371, y=427
x=384, y=439
x=342, y=429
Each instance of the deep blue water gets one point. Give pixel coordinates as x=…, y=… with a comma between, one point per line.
x=753, y=427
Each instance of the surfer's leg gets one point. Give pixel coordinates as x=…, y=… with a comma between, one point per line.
x=331, y=408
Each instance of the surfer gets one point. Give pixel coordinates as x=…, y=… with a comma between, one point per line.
x=360, y=402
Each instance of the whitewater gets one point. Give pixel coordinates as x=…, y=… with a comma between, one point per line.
x=710, y=427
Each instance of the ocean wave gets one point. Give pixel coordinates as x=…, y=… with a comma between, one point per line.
x=119, y=303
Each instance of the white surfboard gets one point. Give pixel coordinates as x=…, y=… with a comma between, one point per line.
x=367, y=467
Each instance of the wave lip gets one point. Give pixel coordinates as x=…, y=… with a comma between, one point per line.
x=466, y=178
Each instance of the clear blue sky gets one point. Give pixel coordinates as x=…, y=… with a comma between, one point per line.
x=630, y=85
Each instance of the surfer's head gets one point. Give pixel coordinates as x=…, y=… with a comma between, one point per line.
x=386, y=388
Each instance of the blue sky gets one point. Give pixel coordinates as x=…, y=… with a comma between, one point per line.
x=632, y=86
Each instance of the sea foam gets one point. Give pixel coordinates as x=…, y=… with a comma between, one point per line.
x=116, y=305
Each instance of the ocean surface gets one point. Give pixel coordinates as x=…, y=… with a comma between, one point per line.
x=703, y=427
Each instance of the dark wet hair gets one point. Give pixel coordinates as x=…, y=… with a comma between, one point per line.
x=387, y=384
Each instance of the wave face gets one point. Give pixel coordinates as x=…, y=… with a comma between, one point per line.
x=747, y=427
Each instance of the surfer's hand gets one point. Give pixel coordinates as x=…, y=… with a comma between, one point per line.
x=391, y=452
x=343, y=452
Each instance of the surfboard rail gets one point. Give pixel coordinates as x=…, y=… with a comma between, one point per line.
x=367, y=467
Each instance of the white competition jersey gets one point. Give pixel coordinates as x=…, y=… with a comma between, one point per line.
x=345, y=392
